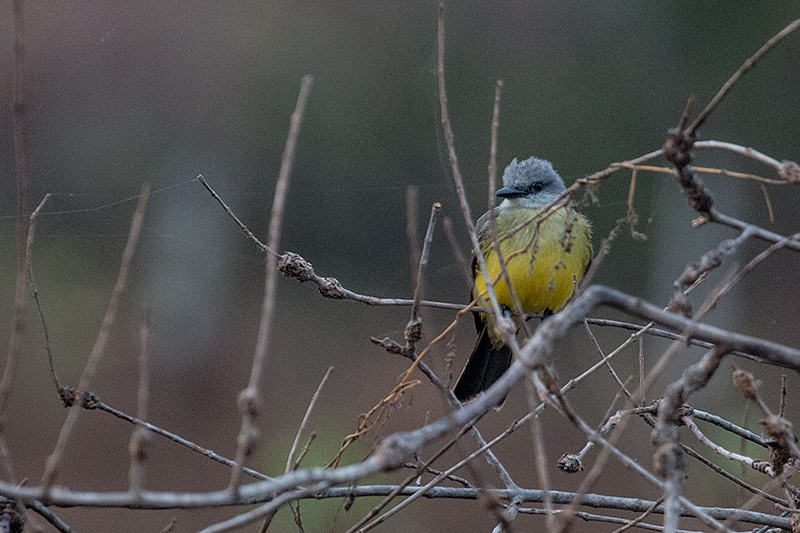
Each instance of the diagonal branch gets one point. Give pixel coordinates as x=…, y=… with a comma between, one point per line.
x=249, y=397
x=54, y=460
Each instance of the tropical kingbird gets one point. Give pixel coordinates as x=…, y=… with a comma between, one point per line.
x=547, y=248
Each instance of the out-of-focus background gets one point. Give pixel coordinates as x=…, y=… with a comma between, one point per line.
x=122, y=93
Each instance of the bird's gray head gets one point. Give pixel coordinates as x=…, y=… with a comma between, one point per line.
x=532, y=183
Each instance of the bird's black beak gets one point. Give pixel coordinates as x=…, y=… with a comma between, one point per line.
x=510, y=192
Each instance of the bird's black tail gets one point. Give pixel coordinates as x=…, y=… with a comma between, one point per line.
x=485, y=366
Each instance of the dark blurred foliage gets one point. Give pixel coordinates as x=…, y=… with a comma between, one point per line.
x=122, y=93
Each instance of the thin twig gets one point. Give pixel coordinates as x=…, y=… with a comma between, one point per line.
x=175, y=438
x=54, y=460
x=32, y=280
x=290, y=459
x=493, y=144
x=755, y=231
x=748, y=461
x=502, y=261
x=669, y=457
x=747, y=65
x=611, y=370
x=52, y=519
x=729, y=284
x=641, y=517
x=261, y=246
x=256, y=493
x=139, y=435
x=642, y=389
x=566, y=516
x=439, y=478
x=249, y=397
x=291, y=463
x=708, y=170
x=729, y=426
x=746, y=486
x=459, y=182
x=413, y=331
x=23, y=183
x=591, y=517
x=540, y=457
x=267, y=509
x=359, y=526
x=745, y=151
x=597, y=177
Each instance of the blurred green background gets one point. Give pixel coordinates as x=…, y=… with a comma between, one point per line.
x=122, y=93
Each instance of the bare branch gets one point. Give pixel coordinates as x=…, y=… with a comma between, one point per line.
x=413, y=331
x=459, y=182
x=261, y=246
x=747, y=65
x=23, y=186
x=29, y=267
x=310, y=408
x=669, y=457
x=194, y=500
x=54, y=460
x=249, y=397
x=139, y=435
x=97, y=404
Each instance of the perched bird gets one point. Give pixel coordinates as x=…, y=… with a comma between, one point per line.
x=546, y=250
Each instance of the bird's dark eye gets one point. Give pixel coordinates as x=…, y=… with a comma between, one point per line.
x=537, y=187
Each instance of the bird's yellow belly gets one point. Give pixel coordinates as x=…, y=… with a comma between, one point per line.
x=543, y=269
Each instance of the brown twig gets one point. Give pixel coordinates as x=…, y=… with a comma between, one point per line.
x=782, y=405
x=755, y=231
x=291, y=464
x=140, y=435
x=641, y=517
x=23, y=183
x=708, y=170
x=32, y=280
x=597, y=177
x=631, y=217
x=360, y=525
x=249, y=397
x=261, y=246
x=413, y=331
x=54, y=460
x=290, y=459
x=750, y=266
x=747, y=65
x=669, y=458
x=540, y=457
x=97, y=404
x=425, y=489
x=459, y=182
x=502, y=261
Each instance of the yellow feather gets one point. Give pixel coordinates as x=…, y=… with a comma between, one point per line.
x=544, y=254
